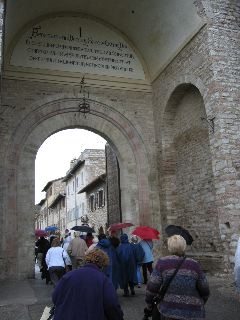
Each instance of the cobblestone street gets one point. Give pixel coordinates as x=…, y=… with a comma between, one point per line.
x=25, y=300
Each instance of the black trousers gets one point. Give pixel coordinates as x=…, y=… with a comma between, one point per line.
x=146, y=267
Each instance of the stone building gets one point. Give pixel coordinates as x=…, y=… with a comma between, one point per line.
x=163, y=83
x=52, y=207
x=58, y=212
x=97, y=211
x=89, y=165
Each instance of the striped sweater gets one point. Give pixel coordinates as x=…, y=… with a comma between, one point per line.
x=187, y=293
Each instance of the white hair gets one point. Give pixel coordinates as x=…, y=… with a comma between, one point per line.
x=177, y=245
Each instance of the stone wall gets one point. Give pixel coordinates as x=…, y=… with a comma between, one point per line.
x=1, y=29
x=113, y=186
x=209, y=62
x=38, y=110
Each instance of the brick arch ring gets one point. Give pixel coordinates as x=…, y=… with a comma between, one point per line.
x=69, y=106
x=191, y=80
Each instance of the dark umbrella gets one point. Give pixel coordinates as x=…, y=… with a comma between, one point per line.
x=171, y=230
x=83, y=229
x=120, y=225
x=146, y=233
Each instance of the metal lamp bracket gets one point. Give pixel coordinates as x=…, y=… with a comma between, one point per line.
x=210, y=123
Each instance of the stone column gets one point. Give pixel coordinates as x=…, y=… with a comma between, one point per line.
x=223, y=97
x=1, y=28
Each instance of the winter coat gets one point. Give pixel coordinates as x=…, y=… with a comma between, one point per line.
x=138, y=252
x=187, y=292
x=128, y=264
x=147, y=246
x=86, y=293
x=112, y=270
x=43, y=245
x=57, y=257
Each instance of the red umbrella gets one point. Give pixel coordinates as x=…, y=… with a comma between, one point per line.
x=145, y=232
x=120, y=225
x=40, y=233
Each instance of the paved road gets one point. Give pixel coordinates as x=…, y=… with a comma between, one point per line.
x=25, y=300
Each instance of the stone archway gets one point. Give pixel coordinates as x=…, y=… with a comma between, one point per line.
x=188, y=184
x=36, y=127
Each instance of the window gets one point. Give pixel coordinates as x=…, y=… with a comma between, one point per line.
x=82, y=178
x=77, y=182
x=91, y=202
x=100, y=198
x=73, y=186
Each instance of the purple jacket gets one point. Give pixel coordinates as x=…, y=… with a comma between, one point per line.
x=86, y=294
x=186, y=294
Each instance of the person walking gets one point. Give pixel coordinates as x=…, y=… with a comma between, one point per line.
x=76, y=249
x=112, y=270
x=67, y=239
x=147, y=262
x=128, y=266
x=56, y=259
x=139, y=256
x=89, y=239
x=187, y=290
x=87, y=293
x=43, y=246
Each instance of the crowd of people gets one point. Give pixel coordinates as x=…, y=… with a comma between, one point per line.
x=176, y=286
x=126, y=258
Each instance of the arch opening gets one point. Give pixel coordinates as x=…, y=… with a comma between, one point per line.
x=188, y=186
x=41, y=123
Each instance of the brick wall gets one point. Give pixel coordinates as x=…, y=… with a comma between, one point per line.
x=205, y=163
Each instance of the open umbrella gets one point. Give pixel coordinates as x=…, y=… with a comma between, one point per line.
x=145, y=232
x=83, y=229
x=171, y=230
x=120, y=225
x=51, y=228
x=40, y=233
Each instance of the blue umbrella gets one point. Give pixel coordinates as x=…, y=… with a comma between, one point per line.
x=51, y=228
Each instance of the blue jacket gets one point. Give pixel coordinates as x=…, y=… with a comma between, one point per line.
x=128, y=263
x=86, y=294
x=147, y=246
x=112, y=270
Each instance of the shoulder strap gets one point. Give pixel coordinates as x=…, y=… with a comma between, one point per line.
x=148, y=244
x=63, y=259
x=165, y=286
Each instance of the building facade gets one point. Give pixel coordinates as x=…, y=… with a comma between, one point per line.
x=52, y=207
x=97, y=211
x=163, y=82
x=64, y=205
x=89, y=165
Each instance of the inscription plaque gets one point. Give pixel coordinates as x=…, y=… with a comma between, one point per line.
x=77, y=44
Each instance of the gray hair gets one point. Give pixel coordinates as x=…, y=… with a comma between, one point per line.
x=177, y=245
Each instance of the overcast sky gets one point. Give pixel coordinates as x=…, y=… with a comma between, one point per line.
x=54, y=155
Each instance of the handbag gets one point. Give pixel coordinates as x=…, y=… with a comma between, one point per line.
x=159, y=297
